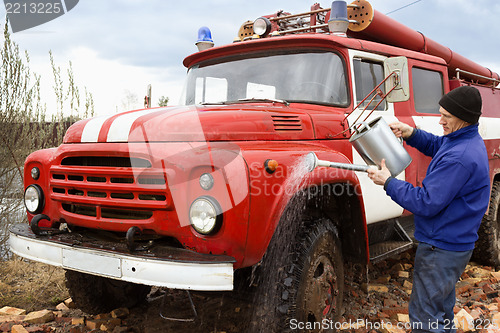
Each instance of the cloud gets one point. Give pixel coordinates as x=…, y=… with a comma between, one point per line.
x=147, y=33
x=113, y=79
x=463, y=26
x=109, y=81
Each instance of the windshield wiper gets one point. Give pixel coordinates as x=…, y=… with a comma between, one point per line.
x=219, y=103
x=270, y=100
x=249, y=100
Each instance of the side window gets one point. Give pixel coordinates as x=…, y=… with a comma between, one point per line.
x=368, y=75
x=427, y=90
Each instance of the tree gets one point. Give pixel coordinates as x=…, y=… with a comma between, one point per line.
x=68, y=106
x=130, y=101
x=163, y=101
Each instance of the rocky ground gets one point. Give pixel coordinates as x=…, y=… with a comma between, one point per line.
x=33, y=299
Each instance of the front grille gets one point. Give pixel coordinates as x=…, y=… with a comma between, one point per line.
x=106, y=161
x=108, y=213
x=109, y=187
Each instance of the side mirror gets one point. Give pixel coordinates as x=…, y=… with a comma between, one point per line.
x=401, y=81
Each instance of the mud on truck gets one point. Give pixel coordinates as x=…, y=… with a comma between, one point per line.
x=215, y=192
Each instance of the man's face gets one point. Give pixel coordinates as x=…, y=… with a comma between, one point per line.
x=450, y=123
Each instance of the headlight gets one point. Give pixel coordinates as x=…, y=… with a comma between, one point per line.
x=33, y=199
x=35, y=173
x=206, y=181
x=205, y=215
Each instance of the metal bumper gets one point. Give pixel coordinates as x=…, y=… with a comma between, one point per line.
x=165, y=267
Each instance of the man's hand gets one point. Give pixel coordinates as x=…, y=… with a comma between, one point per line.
x=401, y=130
x=379, y=176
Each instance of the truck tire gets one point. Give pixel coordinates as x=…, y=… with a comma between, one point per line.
x=95, y=294
x=487, y=251
x=303, y=285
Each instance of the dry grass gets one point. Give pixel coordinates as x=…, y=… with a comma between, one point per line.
x=31, y=285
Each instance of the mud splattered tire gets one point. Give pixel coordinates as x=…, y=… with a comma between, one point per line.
x=487, y=251
x=94, y=294
x=319, y=287
x=304, y=285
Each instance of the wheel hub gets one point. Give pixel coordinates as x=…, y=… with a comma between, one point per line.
x=320, y=293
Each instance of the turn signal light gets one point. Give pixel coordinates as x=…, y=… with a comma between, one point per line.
x=270, y=165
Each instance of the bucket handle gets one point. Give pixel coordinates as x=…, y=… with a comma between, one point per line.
x=357, y=126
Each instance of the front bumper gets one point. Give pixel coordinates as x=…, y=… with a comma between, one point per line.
x=161, y=266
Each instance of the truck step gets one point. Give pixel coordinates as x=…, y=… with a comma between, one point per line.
x=395, y=241
x=387, y=249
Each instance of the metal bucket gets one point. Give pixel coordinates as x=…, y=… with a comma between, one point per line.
x=375, y=141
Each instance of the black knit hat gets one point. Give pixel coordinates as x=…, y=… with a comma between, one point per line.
x=463, y=102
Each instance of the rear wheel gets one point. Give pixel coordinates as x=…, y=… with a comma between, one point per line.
x=301, y=288
x=95, y=294
x=487, y=249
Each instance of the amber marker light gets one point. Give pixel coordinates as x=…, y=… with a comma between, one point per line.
x=270, y=165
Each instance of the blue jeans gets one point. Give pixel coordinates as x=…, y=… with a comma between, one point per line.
x=432, y=298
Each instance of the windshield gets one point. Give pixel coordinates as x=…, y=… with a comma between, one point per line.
x=312, y=77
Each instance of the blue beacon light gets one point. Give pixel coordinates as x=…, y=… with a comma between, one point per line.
x=205, y=40
x=338, y=22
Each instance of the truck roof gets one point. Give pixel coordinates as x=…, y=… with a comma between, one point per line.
x=306, y=41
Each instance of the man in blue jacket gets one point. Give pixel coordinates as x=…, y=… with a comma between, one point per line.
x=447, y=208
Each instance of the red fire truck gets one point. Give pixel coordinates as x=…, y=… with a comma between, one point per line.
x=213, y=193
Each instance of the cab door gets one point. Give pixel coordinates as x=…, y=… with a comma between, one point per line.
x=427, y=88
x=367, y=71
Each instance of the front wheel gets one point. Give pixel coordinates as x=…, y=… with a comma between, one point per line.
x=301, y=287
x=95, y=294
x=319, y=288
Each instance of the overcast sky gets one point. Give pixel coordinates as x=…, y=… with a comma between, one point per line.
x=118, y=47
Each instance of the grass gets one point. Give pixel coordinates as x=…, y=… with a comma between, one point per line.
x=30, y=285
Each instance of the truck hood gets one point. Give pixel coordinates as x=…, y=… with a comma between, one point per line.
x=196, y=123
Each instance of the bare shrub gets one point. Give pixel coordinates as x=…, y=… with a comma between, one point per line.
x=25, y=126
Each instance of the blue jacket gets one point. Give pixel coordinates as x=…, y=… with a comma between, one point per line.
x=455, y=192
